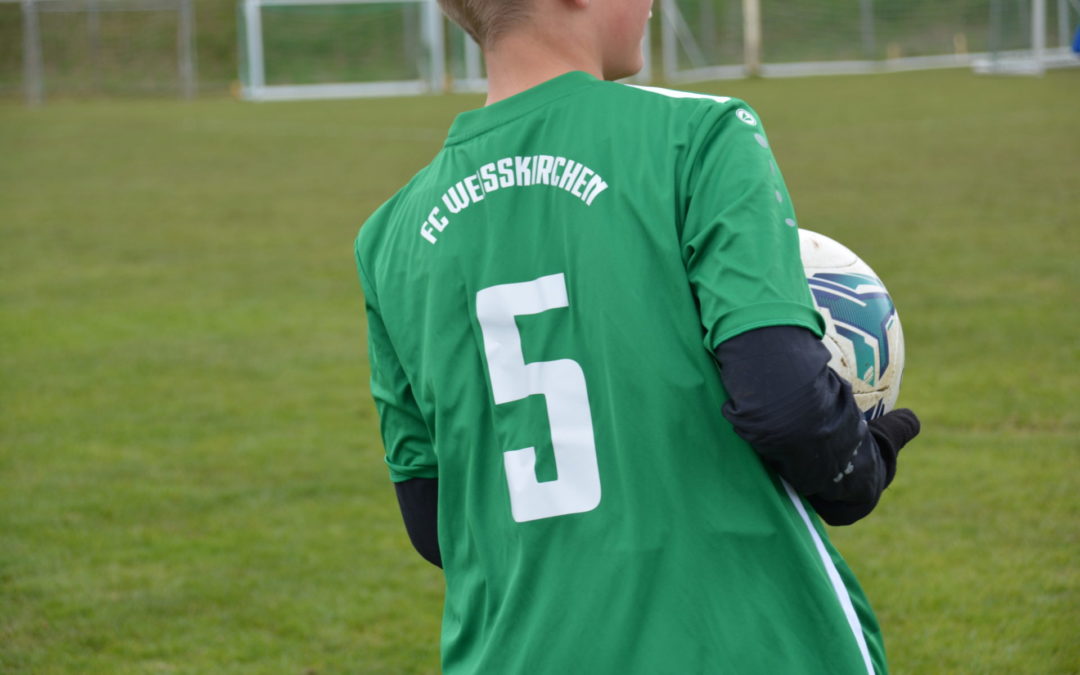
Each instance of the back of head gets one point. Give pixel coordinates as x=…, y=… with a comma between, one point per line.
x=486, y=20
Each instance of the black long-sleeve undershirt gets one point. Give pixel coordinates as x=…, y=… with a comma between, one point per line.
x=418, y=499
x=801, y=418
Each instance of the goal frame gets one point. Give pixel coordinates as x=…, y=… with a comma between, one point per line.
x=255, y=87
x=33, y=56
x=1038, y=57
x=677, y=37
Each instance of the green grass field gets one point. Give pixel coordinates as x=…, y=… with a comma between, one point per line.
x=190, y=474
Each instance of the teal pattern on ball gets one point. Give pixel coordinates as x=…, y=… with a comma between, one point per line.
x=862, y=310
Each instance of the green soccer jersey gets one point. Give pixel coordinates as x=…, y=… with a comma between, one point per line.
x=543, y=300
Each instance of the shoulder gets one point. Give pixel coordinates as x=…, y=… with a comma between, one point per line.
x=703, y=120
x=390, y=214
x=679, y=101
x=701, y=114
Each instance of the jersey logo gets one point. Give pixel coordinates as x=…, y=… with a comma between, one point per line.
x=746, y=117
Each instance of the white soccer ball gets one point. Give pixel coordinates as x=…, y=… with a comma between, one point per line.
x=863, y=331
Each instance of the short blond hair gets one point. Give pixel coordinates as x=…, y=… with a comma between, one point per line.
x=486, y=20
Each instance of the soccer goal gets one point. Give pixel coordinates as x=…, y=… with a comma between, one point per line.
x=303, y=49
x=703, y=40
x=307, y=49
x=1023, y=37
x=716, y=39
x=92, y=47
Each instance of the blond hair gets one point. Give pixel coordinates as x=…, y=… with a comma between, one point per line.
x=486, y=20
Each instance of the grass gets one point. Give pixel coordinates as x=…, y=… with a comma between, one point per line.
x=190, y=475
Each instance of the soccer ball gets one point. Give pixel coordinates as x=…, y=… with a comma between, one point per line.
x=862, y=330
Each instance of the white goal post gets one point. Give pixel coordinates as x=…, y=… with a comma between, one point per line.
x=1034, y=57
x=430, y=69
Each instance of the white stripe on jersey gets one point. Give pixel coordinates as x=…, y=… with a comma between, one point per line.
x=834, y=576
x=675, y=93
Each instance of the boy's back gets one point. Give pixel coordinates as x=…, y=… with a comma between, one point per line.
x=543, y=302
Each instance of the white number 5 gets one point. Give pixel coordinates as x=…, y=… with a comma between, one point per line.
x=562, y=384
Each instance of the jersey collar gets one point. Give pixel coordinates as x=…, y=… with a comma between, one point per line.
x=475, y=122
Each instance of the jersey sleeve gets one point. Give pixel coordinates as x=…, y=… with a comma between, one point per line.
x=405, y=435
x=739, y=235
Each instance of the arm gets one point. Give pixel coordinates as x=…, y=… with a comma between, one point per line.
x=741, y=249
x=410, y=452
x=801, y=418
x=419, y=502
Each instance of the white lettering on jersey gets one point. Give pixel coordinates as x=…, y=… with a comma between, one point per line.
x=521, y=171
x=560, y=163
x=487, y=175
x=474, y=189
x=433, y=222
x=580, y=182
x=506, y=171
x=456, y=198
x=543, y=169
x=595, y=187
x=570, y=175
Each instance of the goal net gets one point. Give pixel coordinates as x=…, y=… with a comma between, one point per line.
x=295, y=49
x=94, y=47
x=706, y=39
x=1028, y=36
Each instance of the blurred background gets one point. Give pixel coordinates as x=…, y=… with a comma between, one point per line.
x=191, y=479
x=303, y=48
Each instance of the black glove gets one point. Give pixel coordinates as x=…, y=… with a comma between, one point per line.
x=892, y=431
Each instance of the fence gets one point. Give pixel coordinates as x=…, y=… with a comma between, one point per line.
x=289, y=48
x=81, y=46
x=707, y=39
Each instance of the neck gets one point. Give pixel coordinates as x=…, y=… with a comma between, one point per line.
x=522, y=60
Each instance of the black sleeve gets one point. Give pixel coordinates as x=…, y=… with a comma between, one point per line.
x=419, y=502
x=801, y=418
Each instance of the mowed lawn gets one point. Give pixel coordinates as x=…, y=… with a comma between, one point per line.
x=191, y=479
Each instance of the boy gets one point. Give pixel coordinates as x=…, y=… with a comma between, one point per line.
x=547, y=303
